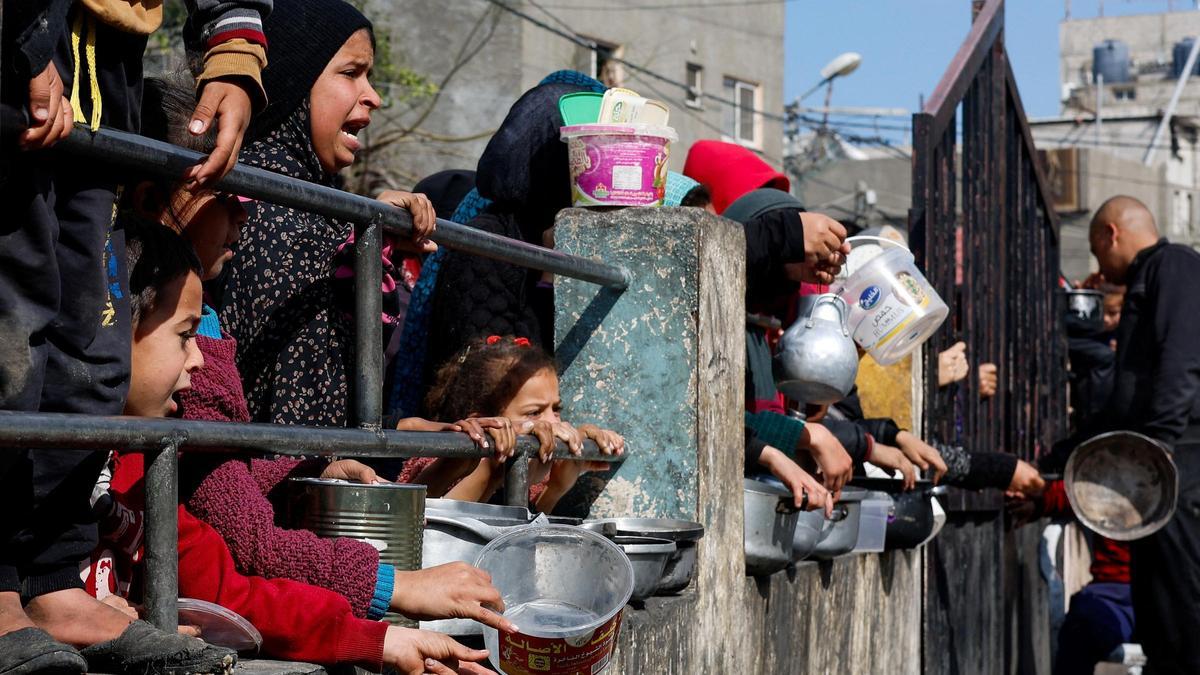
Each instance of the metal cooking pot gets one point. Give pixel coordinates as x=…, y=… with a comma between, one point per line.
x=840, y=532
x=1122, y=484
x=681, y=566
x=649, y=558
x=387, y=515
x=1087, y=307
x=817, y=359
x=808, y=524
x=769, y=527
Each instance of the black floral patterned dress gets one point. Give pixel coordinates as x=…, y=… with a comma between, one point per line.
x=290, y=313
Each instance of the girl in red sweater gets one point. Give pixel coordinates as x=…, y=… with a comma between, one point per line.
x=297, y=621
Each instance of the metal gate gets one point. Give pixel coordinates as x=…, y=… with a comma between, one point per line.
x=984, y=230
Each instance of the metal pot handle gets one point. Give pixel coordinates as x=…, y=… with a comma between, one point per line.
x=835, y=300
x=839, y=513
x=476, y=527
x=785, y=505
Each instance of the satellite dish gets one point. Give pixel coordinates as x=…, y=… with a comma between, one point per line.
x=842, y=65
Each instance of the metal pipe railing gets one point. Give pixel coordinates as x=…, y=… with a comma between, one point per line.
x=161, y=439
x=148, y=156
x=73, y=431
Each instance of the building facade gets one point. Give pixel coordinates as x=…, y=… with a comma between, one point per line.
x=720, y=70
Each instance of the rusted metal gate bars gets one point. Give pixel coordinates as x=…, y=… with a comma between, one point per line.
x=995, y=260
x=161, y=439
x=984, y=231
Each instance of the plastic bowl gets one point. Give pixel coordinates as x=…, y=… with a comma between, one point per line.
x=618, y=164
x=564, y=587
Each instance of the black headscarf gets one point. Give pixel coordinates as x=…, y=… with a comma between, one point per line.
x=281, y=300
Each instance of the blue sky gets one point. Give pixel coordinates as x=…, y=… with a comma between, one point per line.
x=907, y=45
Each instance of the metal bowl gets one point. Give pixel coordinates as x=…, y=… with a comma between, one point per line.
x=681, y=565
x=808, y=525
x=1122, y=484
x=649, y=557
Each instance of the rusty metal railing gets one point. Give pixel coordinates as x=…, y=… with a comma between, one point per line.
x=161, y=439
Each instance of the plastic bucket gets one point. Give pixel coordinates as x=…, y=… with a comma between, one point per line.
x=893, y=308
x=564, y=587
x=618, y=164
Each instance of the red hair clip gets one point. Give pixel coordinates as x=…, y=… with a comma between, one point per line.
x=492, y=339
x=521, y=342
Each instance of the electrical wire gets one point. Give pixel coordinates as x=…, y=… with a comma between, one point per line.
x=683, y=5
x=574, y=37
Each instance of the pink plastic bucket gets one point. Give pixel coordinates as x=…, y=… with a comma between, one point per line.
x=618, y=164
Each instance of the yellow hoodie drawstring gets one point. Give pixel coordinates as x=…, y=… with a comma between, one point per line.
x=89, y=51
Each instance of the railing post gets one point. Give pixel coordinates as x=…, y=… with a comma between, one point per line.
x=368, y=309
x=162, y=534
x=516, y=480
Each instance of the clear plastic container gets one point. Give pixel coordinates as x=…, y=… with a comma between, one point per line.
x=564, y=587
x=220, y=626
x=893, y=308
x=872, y=524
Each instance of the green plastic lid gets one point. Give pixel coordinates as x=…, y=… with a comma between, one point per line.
x=580, y=107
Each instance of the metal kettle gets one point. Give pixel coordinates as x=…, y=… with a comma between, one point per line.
x=817, y=360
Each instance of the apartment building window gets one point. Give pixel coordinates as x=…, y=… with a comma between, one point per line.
x=695, y=84
x=742, y=124
x=600, y=61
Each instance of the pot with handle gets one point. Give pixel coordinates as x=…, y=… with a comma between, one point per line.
x=817, y=360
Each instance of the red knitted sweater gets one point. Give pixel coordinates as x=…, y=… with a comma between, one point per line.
x=233, y=497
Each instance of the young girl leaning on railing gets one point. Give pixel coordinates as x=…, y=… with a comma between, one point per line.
x=514, y=379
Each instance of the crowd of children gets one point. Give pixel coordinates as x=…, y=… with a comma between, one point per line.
x=121, y=295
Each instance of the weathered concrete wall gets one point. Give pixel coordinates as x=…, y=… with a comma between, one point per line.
x=664, y=364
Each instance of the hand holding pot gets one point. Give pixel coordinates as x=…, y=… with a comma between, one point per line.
x=921, y=454
x=832, y=459
x=797, y=480
x=1026, y=481
x=415, y=652
x=891, y=459
x=451, y=591
x=351, y=470
x=825, y=244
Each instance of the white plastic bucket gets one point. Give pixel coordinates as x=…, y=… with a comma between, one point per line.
x=893, y=308
x=618, y=164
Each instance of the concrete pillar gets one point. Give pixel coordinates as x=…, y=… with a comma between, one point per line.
x=663, y=363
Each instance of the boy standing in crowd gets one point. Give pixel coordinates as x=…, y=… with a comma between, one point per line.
x=64, y=317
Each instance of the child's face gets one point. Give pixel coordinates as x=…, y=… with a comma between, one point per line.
x=536, y=400
x=212, y=222
x=1112, y=310
x=164, y=349
x=341, y=101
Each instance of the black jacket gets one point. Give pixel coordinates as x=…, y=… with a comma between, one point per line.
x=1156, y=389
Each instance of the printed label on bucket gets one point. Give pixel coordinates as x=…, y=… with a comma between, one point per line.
x=584, y=655
x=887, y=318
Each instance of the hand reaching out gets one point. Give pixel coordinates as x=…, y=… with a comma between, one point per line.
x=952, y=364
x=227, y=102
x=891, y=459
x=922, y=454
